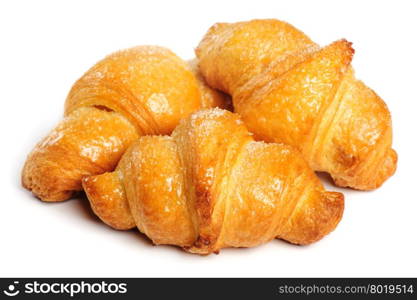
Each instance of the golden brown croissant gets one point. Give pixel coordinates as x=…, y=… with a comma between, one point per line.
x=138, y=91
x=210, y=186
x=289, y=90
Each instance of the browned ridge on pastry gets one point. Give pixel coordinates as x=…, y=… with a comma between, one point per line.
x=289, y=90
x=211, y=186
x=138, y=91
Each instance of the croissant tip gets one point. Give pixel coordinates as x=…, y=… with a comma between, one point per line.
x=394, y=156
x=389, y=166
x=56, y=190
x=347, y=44
x=381, y=173
x=335, y=199
x=346, y=41
x=335, y=205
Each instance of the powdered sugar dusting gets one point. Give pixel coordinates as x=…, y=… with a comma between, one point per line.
x=158, y=103
x=91, y=152
x=212, y=113
x=169, y=181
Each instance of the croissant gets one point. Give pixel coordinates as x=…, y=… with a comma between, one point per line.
x=289, y=90
x=138, y=91
x=210, y=186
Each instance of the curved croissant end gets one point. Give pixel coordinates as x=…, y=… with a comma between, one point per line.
x=204, y=189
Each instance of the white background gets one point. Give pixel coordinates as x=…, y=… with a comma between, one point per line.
x=46, y=45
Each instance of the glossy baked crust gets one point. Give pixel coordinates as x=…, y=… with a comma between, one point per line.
x=210, y=186
x=287, y=89
x=138, y=91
